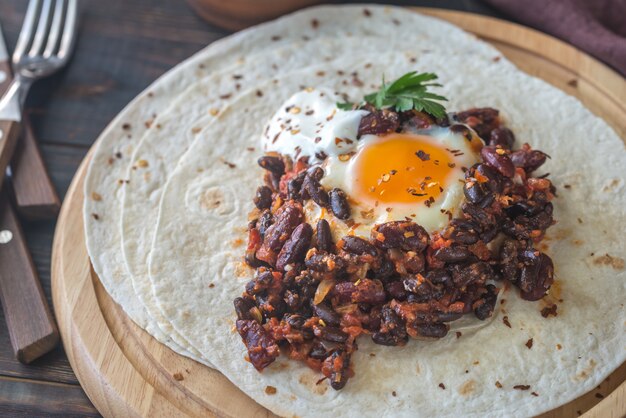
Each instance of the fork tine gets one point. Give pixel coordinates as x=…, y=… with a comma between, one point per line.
x=69, y=30
x=55, y=28
x=26, y=33
x=42, y=29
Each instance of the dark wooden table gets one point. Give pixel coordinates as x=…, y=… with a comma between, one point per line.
x=124, y=46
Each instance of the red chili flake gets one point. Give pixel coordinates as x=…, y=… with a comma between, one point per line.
x=521, y=387
x=95, y=216
x=442, y=386
x=229, y=164
x=259, y=93
x=422, y=155
x=315, y=23
x=505, y=319
x=496, y=59
x=126, y=126
x=534, y=393
x=270, y=390
x=458, y=334
x=211, y=285
x=529, y=343
x=549, y=310
x=498, y=384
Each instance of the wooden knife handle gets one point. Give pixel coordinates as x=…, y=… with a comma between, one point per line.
x=6, y=75
x=35, y=195
x=30, y=323
x=9, y=131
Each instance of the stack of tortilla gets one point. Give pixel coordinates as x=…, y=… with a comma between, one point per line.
x=172, y=179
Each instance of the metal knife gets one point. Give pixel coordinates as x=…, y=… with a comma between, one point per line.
x=35, y=195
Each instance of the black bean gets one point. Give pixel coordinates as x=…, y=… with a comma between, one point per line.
x=476, y=192
x=318, y=351
x=323, y=236
x=500, y=162
x=324, y=262
x=503, y=137
x=273, y=164
x=462, y=232
x=265, y=220
x=357, y=245
x=339, y=204
x=242, y=308
x=528, y=159
x=479, y=215
x=263, y=197
x=452, y=254
x=295, y=247
x=405, y=235
x=338, y=363
x=487, y=303
x=433, y=330
x=482, y=120
x=262, y=349
x=378, y=122
x=326, y=314
x=477, y=272
x=294, y=186
x=440, y=277
x=287, y=219
x=396, y=290
x=333, y=334
x=392, y=331
x=536, y=276
x=261, y=282
x=316, y=192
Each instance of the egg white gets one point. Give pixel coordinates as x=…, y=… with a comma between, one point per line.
x=310, y=124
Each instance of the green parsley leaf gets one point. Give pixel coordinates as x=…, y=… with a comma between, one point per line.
x=406, y=93
x=345, y=106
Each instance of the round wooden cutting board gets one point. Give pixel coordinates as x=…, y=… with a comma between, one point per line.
x=126, y=373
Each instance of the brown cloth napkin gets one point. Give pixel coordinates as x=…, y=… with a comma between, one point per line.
x=595, y=26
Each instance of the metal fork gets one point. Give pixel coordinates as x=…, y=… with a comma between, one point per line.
x=44, y=46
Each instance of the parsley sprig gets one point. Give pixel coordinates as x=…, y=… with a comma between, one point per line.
x=408, y=92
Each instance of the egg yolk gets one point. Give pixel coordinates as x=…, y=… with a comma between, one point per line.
x=402, y=168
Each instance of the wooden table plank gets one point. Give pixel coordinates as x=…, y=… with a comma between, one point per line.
x=27, y=398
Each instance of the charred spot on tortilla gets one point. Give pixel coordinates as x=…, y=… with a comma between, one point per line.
x=348, y=247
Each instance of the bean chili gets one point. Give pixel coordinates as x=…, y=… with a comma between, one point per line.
x=311, y=297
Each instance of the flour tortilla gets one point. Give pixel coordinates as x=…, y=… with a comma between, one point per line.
x=571, y=354
x=106, y=176
x=162, y=145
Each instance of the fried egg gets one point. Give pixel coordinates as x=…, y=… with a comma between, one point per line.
x=414, y=175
